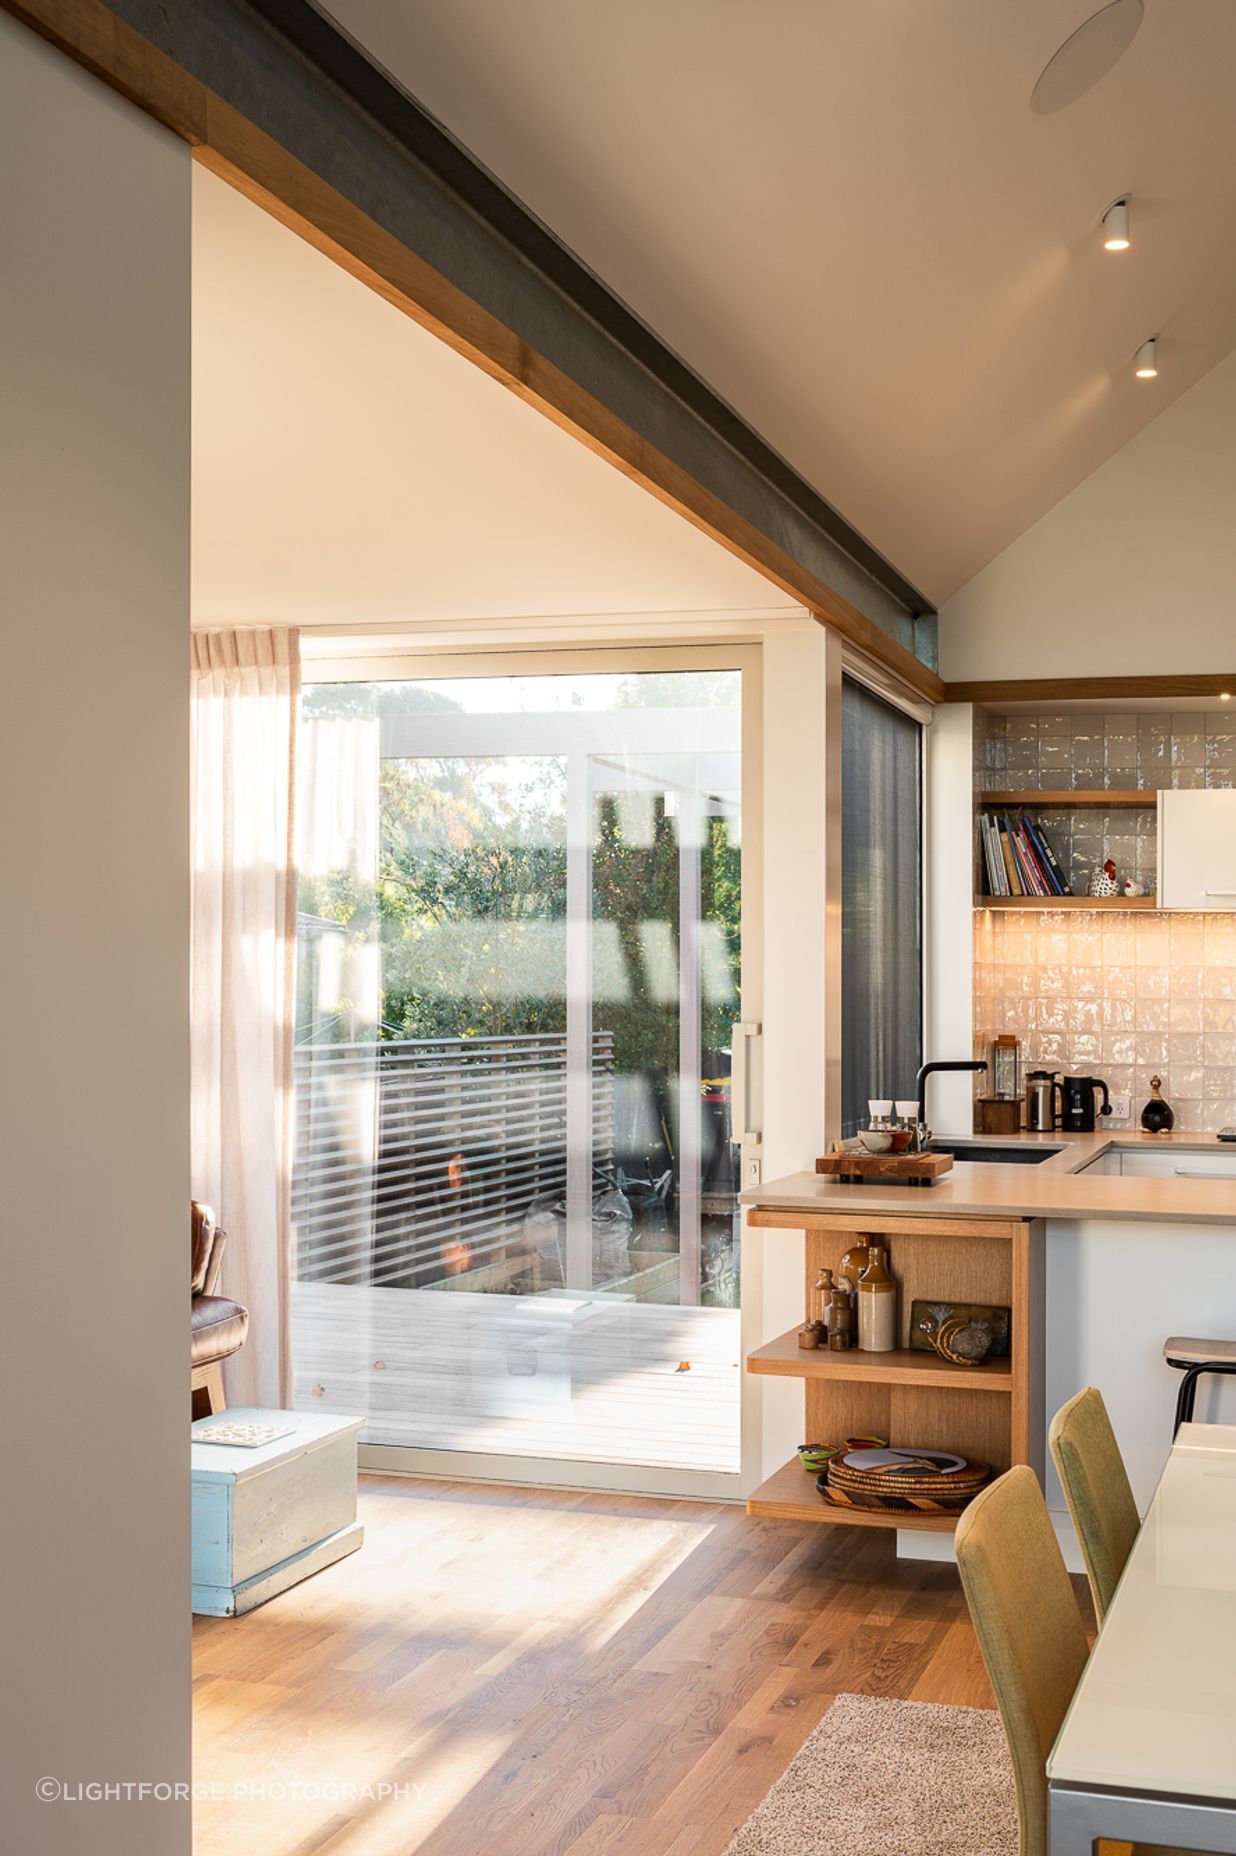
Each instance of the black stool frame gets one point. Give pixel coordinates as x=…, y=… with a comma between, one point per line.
x=1187, y=1395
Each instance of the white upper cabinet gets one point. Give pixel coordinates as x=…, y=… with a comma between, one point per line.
x=1197, y=849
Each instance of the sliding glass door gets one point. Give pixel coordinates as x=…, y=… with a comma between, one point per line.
x=520, y=962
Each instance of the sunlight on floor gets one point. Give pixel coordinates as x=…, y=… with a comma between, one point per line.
x=356, y=1714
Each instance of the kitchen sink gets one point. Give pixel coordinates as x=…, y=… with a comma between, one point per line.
x=988, y=1153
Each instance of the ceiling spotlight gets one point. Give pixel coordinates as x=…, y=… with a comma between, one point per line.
x=1115, y=224
x=1146, y=360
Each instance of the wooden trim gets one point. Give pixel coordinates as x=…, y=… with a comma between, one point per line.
x=233, y=147
x=1145, y=796
x=1090, y=689
x=879, y=1223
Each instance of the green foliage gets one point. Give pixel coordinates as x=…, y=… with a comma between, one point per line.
x=468, y=905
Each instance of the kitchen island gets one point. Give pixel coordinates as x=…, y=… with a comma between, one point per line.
x=1104, y=1248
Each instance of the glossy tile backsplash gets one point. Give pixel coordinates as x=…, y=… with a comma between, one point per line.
x=1046, y=751
x=1124, y=996
x=1042, y=753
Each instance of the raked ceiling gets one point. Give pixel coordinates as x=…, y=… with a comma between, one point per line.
x=349, y=469
x=846, y=217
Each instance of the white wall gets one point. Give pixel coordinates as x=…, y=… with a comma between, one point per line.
x=94, y=557
x=1132, y=573
x=948, y=863
x=797, y=662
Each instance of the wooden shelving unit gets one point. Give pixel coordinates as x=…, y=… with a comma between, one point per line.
x=790, y=1495
x=905, y=1367
x=1065, y=902
x=992, y=1412
x=1107, y=799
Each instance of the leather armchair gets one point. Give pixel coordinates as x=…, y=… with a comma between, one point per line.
x=217, y=1326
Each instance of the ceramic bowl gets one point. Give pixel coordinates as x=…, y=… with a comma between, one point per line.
x=875, y=1140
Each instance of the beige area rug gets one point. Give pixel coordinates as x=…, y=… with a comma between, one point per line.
x=891, y=1778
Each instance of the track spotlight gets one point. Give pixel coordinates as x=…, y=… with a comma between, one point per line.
x=1115, y=224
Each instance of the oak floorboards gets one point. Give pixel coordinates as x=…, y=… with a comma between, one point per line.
x=548, y=1673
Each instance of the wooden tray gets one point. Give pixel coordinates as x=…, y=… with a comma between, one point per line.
x=886, y=1169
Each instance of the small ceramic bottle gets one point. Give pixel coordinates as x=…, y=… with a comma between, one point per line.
x=850, y=1268
x=1157, y=1116
x=839, y=1323
x=877, y=1305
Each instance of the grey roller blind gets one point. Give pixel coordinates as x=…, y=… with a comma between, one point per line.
x=881, y=888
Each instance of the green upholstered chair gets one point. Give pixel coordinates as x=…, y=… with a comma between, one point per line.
x=1029, y=1630
x=1096, y=1487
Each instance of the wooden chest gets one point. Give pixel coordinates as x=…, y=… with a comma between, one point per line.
x=265, y=1518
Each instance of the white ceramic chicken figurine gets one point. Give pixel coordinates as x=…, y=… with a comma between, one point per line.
x=1133, y=888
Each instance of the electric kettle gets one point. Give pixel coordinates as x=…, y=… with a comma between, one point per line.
x=1042, y=1091
x=1078, y=1112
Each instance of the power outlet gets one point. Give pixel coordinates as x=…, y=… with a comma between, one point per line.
x=1122, y=1109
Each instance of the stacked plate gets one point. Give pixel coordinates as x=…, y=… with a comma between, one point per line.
x=903, y=1480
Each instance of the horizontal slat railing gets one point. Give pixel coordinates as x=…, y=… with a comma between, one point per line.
x=418, y=1159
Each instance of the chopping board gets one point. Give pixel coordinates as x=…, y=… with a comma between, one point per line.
x=886, y=1169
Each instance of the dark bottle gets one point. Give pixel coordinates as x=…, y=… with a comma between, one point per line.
x=1157, y=1116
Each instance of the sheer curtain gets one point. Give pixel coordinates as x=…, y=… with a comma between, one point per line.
x=245, y=689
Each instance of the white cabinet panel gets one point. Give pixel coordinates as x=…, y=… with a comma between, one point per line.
x=1179, y=1163
x=1115, y=1292
x=1106, y=1168
x=1197, y=849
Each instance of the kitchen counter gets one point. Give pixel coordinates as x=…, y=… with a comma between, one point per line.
x=1058, y=1187
x=1120, y=1260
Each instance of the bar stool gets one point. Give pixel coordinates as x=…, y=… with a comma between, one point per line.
x=1193, y=1358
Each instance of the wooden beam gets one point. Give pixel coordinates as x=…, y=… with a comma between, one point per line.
x=1090, y=689
x=229, y=141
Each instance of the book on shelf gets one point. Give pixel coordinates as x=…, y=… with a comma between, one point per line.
x=1036, y=882
x=1010, y=863
x=1062, y=887
x=996, y=883
x=1018, y=860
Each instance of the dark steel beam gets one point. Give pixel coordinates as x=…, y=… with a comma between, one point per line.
x=282, y=68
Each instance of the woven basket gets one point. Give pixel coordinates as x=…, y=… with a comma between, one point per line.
x=902, y=1492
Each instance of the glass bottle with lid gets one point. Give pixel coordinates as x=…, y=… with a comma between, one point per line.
x=1006, y=1067
x=821, y=1302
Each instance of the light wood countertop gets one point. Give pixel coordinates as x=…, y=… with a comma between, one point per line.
x=1053, y=1188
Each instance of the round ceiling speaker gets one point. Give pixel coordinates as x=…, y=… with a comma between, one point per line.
x=1088, y=55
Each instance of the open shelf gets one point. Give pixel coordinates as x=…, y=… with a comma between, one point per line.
x=1065, y=902
x=790, y=1494
x=903, y=1367
x=1058, y=799
x=991, y=1414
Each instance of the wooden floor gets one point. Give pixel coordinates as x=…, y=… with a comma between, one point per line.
x=553, y=1672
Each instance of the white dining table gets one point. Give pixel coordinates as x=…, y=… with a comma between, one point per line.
x=1147, y=1752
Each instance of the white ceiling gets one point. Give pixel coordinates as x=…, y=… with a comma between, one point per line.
x=848, y=219
x=348, y=469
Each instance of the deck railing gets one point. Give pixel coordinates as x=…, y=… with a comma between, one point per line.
x=417, y=1160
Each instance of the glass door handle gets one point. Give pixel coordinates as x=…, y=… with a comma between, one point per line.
x=742, y=1037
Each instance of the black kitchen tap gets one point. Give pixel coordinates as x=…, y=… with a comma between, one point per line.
x=920, y=1087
